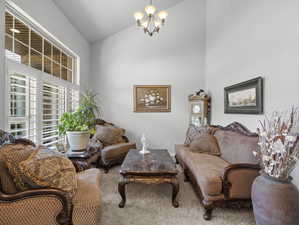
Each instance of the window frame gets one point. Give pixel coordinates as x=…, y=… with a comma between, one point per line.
x=13, y=67
x=33, y=25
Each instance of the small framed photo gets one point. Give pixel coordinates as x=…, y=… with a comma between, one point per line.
x=245, y=97
x=152, y=98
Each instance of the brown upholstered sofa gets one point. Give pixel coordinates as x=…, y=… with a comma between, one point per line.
x=113, y=154
x=225, y=179
x=48, y=206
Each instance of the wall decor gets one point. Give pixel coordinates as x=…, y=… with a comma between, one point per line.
x=245, y=97
x=152, y=98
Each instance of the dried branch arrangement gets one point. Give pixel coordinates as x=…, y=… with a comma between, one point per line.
x=278, y=149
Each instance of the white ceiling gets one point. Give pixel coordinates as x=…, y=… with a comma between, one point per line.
x=97, y=19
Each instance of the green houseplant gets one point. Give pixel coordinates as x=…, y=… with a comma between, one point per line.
x=78, y=125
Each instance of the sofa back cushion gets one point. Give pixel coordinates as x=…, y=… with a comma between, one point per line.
x=205, y=143
x=236, y=147
x=194, y=132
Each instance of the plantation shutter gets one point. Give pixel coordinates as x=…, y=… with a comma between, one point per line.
x=53, y=108
x=22, y=121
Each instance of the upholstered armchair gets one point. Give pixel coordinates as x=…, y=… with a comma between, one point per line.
x=47, y=206
x=113, y=154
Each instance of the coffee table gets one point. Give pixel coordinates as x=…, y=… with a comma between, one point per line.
x=157, y=167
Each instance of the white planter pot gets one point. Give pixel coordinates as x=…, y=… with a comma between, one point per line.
x=78, y=140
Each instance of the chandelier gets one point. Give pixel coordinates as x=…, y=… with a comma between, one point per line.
x=150, y=22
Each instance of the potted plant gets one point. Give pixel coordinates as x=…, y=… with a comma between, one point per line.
x=275, y=198
x=78, y=125
x=75, y=126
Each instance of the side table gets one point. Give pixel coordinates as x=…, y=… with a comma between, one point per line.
x=83, y=160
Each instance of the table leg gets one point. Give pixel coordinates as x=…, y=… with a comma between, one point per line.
x=122, y=191
x=175, y=191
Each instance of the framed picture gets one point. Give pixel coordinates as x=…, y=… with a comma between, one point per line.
x=152, y=98
x=245, y=97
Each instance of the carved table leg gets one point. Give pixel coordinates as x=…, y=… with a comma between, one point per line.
x=175, y=191
x=122, y=191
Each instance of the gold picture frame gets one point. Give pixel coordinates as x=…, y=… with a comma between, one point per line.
x=152, y=98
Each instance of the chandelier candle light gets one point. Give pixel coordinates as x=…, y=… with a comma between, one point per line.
x=151, y=22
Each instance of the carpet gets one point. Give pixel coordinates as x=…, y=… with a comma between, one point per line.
x=151, y=205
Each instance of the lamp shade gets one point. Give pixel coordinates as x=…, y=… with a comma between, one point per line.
x=150, y=10
x=138, y=15
x=163, y=15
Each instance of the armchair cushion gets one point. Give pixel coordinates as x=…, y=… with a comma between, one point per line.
x=205, y=143
x=109, y=135
x=87, y=200
x=207, y=170
x=47, y=168
x=13, y=155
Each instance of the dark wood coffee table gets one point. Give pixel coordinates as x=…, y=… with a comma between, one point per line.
x=154, y=168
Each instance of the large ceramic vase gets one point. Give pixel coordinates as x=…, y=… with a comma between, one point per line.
x=275, y=202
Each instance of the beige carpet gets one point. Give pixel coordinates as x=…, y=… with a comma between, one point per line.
x=151, y=205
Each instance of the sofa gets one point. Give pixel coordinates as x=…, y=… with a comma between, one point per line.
x=114, y=151
x=48, y=206
x=226, y=179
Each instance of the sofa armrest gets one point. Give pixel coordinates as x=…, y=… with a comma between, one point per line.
x=238, y=179
x=55, y=204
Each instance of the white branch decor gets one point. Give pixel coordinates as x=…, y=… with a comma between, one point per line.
x=150, y=22
x=278, y=144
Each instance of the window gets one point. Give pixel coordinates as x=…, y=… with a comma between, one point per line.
x=41, y=82
x=53, y=108
x=22, y=110
x=25, y=45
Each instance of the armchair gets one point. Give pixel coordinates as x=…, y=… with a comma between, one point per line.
x=48, y=206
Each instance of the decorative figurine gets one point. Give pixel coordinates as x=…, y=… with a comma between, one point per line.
x=144, y=149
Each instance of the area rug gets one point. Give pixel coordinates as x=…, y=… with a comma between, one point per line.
x=151, y=205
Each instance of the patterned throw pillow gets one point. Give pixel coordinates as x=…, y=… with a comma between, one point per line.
x=109, y=135
x=206, y=143
x=13, y=155
x=49, y=168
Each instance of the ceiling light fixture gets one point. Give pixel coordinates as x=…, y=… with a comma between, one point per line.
x=15, y=30
x=150, y=22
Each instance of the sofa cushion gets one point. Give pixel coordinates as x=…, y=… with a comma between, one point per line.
x=7, y=184
x=194, y=132
x=87, y=200
x=181, y=151
x=49, y=168
x=109, y=135
x=207, y=170
x=236, y=147
x=13, y=155
x=205, y=143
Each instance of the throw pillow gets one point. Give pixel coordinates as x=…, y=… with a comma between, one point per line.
x=49, y=168
x=109, y=135
x=205, y=143
x=13, y=155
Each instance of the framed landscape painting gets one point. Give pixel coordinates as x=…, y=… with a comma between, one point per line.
x=245, y=97
x=152, y=98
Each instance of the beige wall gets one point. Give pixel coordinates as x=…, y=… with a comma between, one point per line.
x=246, y=39
x=175, y=57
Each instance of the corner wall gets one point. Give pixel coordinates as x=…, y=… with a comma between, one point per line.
x=246, y=39
x=175, y=57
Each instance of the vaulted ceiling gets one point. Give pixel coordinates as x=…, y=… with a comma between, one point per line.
x=97, y=19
